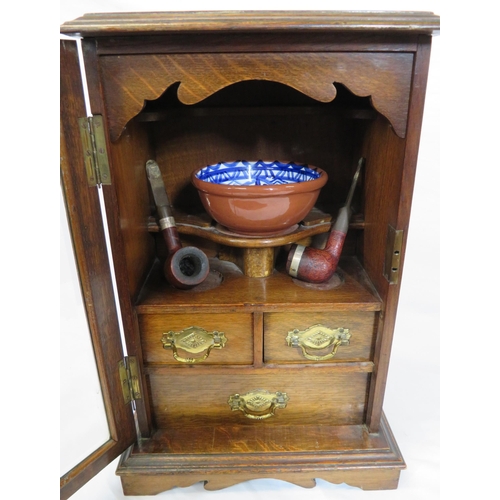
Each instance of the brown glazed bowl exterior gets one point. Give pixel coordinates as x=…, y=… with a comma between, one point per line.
x=259, y=210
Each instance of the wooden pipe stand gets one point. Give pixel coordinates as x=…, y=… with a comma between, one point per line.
x=254, y=255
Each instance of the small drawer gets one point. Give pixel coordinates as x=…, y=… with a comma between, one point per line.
x=319, y=337
x=197, y=338
x=247, y=397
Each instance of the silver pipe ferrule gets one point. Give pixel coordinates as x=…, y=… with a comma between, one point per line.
x=166, y=222
x=296, y=258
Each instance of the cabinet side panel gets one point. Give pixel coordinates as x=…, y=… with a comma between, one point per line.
x=384, y=152
x=399, y=219
x=128, y=157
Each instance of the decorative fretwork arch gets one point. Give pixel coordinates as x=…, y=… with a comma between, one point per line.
x=129, y=81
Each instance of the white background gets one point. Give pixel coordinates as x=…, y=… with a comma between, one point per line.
x=439, y=399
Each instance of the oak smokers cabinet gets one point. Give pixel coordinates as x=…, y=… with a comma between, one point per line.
x=254, y=374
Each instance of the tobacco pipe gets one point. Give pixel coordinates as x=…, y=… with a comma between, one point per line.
x=316, y=265
x=185, y=267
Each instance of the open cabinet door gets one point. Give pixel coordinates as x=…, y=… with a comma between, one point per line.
x=93, y=269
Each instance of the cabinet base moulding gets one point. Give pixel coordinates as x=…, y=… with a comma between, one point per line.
x=354, y=457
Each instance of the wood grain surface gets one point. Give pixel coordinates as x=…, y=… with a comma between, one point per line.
x=277, y=292
x=92, y=266
x=130, y=80
x=190, y=89
x=348, y=454
x=236, y=327
x=317, y=395
x=362, y=327
x=138, y=23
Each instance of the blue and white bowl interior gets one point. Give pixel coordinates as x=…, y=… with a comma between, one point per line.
x=256, y=173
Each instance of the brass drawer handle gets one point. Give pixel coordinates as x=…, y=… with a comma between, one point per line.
x=258, y=404
x=193, y=340
x=318, y=337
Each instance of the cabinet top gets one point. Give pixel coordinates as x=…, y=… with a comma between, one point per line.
x=140, y=23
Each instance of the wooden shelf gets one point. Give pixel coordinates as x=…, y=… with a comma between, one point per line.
x=251, y=452
x=272, y=111
x=278, y=292
x=250, y=439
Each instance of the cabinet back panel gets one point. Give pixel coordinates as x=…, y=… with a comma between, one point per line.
x=318, y=140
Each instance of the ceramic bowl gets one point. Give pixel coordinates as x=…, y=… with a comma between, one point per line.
x=258, y=198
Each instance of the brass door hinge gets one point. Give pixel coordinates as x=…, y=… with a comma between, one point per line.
x=129, y=378
x=95, y=154
x=393, y=248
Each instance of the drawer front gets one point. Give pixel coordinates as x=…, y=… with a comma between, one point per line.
x=197, y=338
x=312, y=396
x=319, y=337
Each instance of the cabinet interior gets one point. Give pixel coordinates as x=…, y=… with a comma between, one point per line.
x=256, y=120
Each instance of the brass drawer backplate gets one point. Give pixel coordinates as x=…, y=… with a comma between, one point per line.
x=193, y=340
x=259, y=404
x=318, y=337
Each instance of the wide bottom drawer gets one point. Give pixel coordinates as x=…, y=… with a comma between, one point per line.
x=259, y=397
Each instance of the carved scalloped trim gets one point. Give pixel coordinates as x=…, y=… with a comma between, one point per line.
x=130, y=81
x=368, y=478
